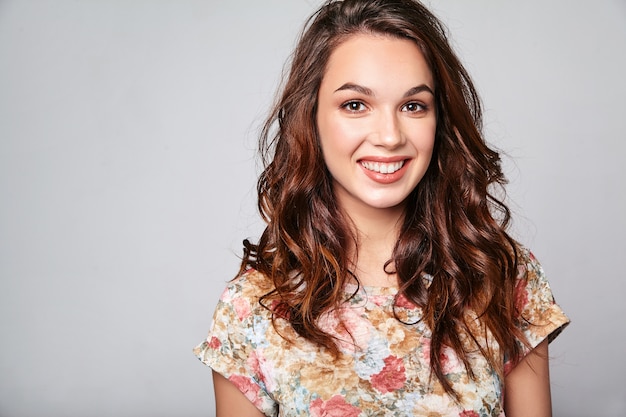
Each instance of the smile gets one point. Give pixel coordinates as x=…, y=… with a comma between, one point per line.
x=382, y=167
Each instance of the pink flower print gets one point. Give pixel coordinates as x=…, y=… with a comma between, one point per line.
x=257, y=366
x=253, y=363
x=335, y=407
x=248, y=388
x=521, y=295
x=425, y=343
x=337, y=322
x=468, y=413
x=215, y=343
x=449, y=360
x=378, y=300
x=391, y=377
x=508, y=366
x=404, y=302
x=280, y=309
x=242, y=308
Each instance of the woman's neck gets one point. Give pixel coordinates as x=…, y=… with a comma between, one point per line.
x=377, y=234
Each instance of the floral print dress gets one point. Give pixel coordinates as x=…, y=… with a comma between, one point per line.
x=383, y=369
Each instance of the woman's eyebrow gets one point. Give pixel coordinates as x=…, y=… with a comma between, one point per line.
x=355, y=87
x=418, y=89
x=368, y=92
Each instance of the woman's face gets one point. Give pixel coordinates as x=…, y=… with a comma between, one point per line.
x=376, y=120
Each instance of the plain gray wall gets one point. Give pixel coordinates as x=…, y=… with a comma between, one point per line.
x=127, y=169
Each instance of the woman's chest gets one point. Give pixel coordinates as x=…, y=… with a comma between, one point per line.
x=383, y=370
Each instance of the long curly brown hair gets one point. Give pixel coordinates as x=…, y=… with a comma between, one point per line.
x=454, y=226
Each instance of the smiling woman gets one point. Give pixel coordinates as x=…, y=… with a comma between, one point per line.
x=385, y=282
x=376, y=120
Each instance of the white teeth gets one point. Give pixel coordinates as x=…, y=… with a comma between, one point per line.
x=383, y=168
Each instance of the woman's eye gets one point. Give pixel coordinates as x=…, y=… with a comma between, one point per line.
x=354, y=106
x=413, y=107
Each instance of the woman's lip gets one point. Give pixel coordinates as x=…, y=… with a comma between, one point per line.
x=385, y=178
x=384, y=159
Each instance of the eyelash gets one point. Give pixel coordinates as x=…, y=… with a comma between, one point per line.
x=349, y=106
x=422, y=107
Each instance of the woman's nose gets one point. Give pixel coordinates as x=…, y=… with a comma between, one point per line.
x=389, y=132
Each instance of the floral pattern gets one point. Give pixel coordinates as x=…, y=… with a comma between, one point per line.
x=383, y=369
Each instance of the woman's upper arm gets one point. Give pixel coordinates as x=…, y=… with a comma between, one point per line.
x=229, y=401
x=527, y=386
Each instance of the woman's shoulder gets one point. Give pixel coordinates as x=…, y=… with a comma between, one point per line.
x=241, y=304
x=534, y=300
x=529, y=268
x=250, y=285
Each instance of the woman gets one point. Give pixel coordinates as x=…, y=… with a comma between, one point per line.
x=385, y=282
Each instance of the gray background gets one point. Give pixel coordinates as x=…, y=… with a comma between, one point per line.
x=127, y=167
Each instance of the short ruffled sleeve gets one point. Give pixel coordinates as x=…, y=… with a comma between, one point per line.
x=231, y=347
x=540, y=316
